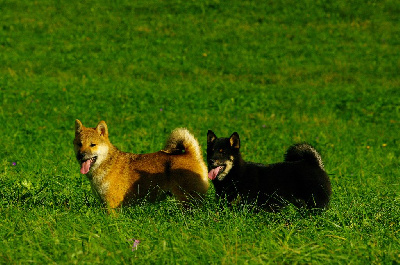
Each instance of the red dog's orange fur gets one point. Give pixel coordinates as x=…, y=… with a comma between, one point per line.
x=120, y=178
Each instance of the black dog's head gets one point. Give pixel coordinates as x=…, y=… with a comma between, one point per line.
x=222, y=153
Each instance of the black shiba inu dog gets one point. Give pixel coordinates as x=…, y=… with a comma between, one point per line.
x=301, y=179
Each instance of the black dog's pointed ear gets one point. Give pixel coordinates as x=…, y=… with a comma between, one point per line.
x=234, y=140
x=211, y=137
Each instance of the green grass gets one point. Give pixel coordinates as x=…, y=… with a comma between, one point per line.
x=277, y=72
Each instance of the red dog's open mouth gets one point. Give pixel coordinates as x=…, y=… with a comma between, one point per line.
x=87, y=164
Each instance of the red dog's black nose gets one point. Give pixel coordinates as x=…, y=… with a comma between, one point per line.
x=80, y=156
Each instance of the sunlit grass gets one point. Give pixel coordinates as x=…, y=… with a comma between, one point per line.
x=277, y=73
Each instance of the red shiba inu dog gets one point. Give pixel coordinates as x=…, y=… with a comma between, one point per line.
x=120, y=178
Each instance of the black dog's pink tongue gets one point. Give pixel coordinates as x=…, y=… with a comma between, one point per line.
x=85, y=167
x=213, y=173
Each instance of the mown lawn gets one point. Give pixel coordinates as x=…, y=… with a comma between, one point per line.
x=277, y=72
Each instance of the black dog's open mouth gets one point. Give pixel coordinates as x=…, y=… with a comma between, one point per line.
x=213, y=173
x=87, y=164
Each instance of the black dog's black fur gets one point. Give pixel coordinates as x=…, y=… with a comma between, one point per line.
x=300, y=179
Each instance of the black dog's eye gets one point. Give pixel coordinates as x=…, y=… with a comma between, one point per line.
x=221, y=150
x=92, y=145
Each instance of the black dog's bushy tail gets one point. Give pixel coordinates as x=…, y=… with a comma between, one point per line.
x=317, y=191
x=304, y=151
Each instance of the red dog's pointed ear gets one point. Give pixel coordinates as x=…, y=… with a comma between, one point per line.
x=211, y=137
x=78, y=126
x=102, y=129
x=235, y=140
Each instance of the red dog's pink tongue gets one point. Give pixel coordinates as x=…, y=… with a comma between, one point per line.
x=85, y=167
x=213, y=173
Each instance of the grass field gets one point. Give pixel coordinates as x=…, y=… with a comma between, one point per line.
x=277, y=72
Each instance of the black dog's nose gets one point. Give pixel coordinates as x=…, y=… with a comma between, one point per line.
x=211, y=161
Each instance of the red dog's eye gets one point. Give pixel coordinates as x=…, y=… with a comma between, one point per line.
x=92, y=145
